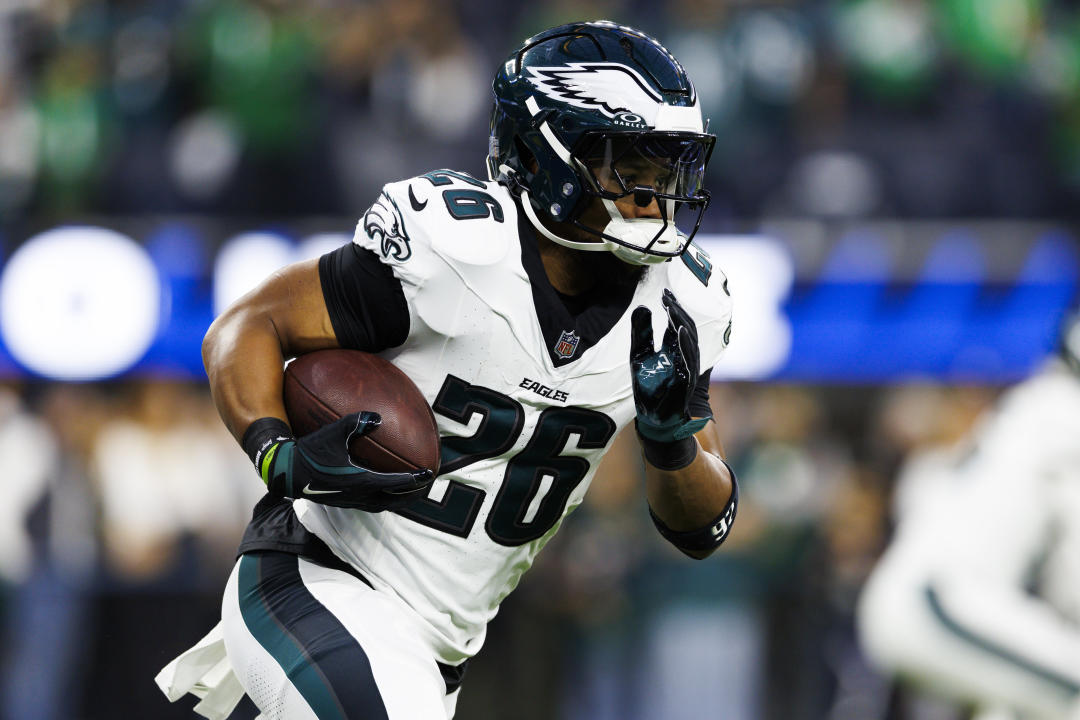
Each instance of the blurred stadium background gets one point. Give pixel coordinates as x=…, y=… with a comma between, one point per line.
x=896, y=185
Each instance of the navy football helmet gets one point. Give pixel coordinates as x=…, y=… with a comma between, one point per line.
x=598, y=112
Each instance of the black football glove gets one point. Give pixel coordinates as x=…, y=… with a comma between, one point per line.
x=317, y=467
x=664, y=379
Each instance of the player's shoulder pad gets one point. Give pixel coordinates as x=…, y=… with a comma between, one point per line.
x=459, y=218
x=701, y=287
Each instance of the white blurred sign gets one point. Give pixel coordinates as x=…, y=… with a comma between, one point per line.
x=760, y=276
x=78, y=303
x=249, y=258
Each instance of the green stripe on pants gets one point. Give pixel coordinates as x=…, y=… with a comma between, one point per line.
x=285, y=649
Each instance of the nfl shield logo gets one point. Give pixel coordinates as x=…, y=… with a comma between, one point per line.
x=567, y=345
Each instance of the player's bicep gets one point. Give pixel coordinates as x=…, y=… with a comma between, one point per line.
x=290, y=303
x=246, y=346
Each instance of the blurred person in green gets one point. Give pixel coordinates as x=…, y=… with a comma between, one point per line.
x=255, y=69
x=74, y=121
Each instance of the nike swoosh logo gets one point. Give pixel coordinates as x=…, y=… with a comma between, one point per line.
x=309, y=491
x=416, y=204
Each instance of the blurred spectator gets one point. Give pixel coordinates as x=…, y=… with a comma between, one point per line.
x=45, y=624
x=28, y=461
x=838, y=108
x=417, y=81
x=203, y=491
x=174, y=492
x=75, y=126
x=255, y=69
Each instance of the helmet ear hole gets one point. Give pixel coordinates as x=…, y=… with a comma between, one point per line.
x=528, y=159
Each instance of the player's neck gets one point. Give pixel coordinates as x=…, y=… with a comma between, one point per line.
x=564, y=268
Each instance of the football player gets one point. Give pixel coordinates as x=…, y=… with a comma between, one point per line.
x=539, y=311
x=978, y=596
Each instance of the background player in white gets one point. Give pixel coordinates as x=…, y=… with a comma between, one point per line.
x=525, y=309
x=978, y=596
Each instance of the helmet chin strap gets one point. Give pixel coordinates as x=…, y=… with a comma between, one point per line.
x=599, y=246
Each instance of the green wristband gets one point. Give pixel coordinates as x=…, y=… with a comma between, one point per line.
x=261, y=442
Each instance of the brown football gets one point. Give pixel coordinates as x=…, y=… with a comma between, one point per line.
x=325, y=385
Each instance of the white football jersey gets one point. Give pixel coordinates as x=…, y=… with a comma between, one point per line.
x=979, y=592
x=525, y=419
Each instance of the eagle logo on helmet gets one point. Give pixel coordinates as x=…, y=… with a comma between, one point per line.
x=382, y=222
x=612, y=88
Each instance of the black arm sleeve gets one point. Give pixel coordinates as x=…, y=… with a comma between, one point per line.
x=366, y=303
x=699, y=402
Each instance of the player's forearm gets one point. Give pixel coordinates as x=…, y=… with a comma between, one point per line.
x=244, y=361
x=691, y=497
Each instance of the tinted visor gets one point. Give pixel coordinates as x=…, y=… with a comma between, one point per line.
x=671, y=164
x=653, y=175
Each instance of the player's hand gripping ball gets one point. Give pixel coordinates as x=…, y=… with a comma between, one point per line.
x=319, y=467
x=367, y=437
x=664, y=378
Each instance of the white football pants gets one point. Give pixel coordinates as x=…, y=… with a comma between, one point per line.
x=308, y=642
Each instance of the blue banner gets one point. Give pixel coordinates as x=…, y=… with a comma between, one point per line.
x=95, y=301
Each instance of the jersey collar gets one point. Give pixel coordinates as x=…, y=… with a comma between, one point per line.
x=570, y=325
